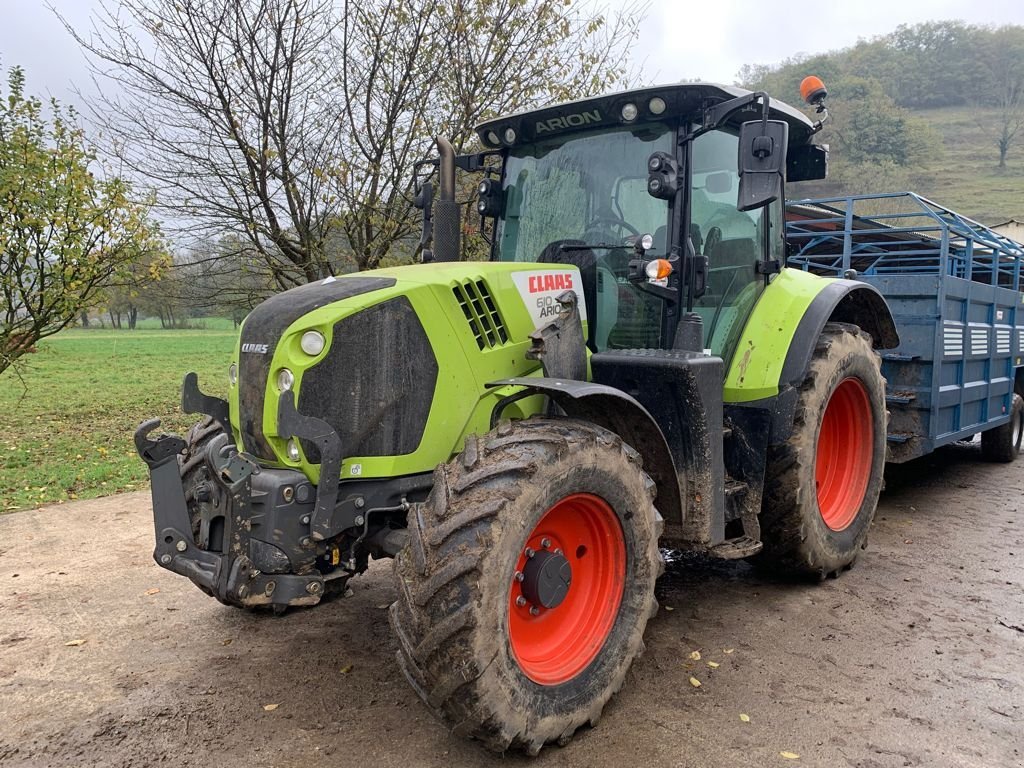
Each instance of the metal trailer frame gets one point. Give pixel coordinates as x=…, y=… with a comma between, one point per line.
x=954, y=288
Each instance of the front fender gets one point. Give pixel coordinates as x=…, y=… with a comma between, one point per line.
x=842, y=301
x=617, y=412
x=778, y=340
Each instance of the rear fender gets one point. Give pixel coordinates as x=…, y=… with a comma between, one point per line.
x=617, y=412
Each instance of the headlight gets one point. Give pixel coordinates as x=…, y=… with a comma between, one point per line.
x=293, y=451
x=285, y=379
x=233, y=374
x=629, y=112
x=312, y=343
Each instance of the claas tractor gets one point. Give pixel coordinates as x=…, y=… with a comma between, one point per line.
x=634, y=369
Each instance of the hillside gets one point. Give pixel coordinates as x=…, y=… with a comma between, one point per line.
x=963, y=175
x=967, y=178
x=920, y=108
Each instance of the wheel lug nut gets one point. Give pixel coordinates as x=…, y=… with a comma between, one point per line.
x=520, y=601
x=519, y=576
x=530, y=552
x=534, y=610
x=546, y=543
x=558, y=551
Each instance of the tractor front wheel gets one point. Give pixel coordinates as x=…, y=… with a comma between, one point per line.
x=822, y=484
x=528, y=581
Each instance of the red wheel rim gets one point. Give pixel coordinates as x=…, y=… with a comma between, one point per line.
x=553, y=645
x=844, y=458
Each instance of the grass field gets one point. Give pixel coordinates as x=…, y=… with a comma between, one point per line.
x=67, y=433
x=967, y=178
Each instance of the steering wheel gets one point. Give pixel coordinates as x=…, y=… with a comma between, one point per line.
x=601, y=221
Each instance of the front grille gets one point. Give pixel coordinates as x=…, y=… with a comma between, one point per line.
x=261, y=332
x=474, y=298
x=376, y=383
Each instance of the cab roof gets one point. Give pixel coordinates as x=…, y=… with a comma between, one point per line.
x=680, y=100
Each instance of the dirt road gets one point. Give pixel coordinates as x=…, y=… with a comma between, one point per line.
x=914, y=658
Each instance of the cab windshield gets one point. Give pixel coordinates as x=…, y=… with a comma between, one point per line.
x=583, y=200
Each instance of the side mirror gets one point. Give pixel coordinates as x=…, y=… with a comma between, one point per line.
x=762, y=162
x=718, y=183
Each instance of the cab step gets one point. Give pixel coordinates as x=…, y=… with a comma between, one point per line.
x=736, y=549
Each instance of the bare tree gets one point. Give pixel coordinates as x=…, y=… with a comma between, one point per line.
x=221, y=106
x=1003, y=57
x=293, y=124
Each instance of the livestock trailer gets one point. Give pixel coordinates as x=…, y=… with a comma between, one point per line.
x=953, y=286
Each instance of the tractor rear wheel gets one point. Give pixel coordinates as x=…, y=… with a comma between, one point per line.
x=528, y=581
x=822, y=484
x=1003, y=443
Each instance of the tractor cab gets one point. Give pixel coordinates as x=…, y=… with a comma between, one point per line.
x=642, y=192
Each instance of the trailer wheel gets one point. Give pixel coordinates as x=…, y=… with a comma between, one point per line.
x=822, y=484
x=1003, y=443
x=528, y=581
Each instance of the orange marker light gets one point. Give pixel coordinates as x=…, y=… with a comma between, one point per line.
x=812, y=90
x=658, y=269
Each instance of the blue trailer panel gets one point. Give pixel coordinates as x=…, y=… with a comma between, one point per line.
x=953, y=286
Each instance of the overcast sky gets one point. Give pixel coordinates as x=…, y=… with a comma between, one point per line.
x=709, y=39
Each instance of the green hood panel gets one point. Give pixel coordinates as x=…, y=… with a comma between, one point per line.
x=476, y=318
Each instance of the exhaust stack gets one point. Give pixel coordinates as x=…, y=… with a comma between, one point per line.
x=447, y=213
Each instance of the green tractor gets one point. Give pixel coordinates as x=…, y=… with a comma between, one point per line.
x=633, y=369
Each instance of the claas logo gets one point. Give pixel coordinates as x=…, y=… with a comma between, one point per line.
x=551, y=281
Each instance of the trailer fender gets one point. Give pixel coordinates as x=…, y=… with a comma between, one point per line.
x=617, y=412
x=841, y=301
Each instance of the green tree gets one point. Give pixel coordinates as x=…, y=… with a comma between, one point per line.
x=868, y=127
x=65, y=231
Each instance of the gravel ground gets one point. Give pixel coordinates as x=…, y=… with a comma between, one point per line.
x=913, y=658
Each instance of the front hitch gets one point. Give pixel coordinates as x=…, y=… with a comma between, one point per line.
x=175, y=549
x=229, y=575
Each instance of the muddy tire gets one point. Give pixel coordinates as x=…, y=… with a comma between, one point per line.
x=1003, y=443
x=822, y=484
x=513, y=649
x=205, y=499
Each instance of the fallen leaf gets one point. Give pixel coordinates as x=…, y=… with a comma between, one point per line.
x=152, y=591
x=346, y=669
x=744, y=718
x=75, y=642
x=226, y=642
x=714, y=664
x=695, y=655
x=384, y=606
x=669, y=608
x=790, y=755
x=695, y=682
x=270, y=707
x=729, y=650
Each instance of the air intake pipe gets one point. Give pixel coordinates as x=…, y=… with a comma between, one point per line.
x=447, y=212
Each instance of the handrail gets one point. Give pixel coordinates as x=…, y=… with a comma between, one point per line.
x=829, y=235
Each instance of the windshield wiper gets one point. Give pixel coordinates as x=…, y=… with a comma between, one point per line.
x=591, y=246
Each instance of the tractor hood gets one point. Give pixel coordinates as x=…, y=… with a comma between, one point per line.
x=399, y=361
